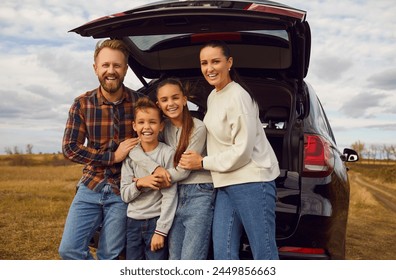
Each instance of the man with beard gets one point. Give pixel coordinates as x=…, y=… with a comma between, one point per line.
x=99, y=135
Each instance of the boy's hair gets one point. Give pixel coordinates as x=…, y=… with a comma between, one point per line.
x=144, y=103
x=187, y=124
x=112, y=44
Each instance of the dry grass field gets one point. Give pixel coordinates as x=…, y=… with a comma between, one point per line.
x=34, y=201
x=371, y=231
x=36, y=192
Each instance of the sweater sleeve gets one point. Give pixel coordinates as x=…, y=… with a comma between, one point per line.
x=168, y=206
x=128, y=189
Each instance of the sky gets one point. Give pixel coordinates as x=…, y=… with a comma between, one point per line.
x=43, y=67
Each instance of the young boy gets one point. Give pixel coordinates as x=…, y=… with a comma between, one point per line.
x=150, y=209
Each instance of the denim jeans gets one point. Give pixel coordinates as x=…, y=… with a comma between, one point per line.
x=190, y=235
x=249, y=206
x=139, y=234
x=87, y=212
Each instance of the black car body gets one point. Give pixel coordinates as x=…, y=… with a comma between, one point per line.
x=270, y=43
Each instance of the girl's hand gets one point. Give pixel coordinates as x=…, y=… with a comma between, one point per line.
x=164, y=174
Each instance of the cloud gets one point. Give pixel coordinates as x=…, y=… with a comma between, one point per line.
x=331, y=68
x=385, y=80
x=360, y=105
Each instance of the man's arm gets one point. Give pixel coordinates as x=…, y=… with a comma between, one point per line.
x=74, y=139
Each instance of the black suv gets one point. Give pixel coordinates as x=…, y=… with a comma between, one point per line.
x=270, y=43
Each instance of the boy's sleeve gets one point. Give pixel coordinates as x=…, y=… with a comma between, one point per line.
x=128, y=190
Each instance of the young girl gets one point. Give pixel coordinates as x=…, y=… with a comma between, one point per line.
x=150, y=209
x=190, y=235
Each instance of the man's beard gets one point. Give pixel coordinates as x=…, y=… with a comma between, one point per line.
x=115, y=85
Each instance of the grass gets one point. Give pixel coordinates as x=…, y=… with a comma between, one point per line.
x=371, y=231
x=34, y=201
x=36, y=192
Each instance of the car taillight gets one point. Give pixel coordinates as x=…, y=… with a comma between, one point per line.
x=318, y=158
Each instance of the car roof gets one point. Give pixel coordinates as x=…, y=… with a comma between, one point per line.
x=165, y=36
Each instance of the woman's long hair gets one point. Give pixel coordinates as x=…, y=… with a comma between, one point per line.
x=187, y=120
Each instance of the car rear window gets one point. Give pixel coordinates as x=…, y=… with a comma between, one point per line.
x=150, y=42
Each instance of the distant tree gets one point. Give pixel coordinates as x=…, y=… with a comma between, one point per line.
x=16, y=150
x=374, y=152
x=8, y=150
x=392, y=150
x=29, y=149
x=359, y=148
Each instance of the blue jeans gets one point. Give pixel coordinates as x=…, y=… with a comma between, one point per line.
x=139, y=234
x=87, y=212
x=249, y=206
x=190, y=235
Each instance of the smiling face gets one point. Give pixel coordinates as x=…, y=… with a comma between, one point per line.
x=148, y=125
x=110, y=67
x=215, y=66
x=171, y=101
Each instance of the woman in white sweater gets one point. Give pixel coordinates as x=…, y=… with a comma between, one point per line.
x=241, y=160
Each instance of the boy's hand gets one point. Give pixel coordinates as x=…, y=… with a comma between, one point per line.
x=157, y=242
x=151, y=181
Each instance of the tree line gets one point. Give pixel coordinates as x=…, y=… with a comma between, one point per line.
x=375, y=151
x=369, y=152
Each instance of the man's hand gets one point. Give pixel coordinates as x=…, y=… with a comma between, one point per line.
x=157, y=242
x=124, y=148
x=164, y=174
x=191, y=160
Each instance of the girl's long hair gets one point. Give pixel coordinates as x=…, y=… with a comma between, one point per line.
x=187, y=120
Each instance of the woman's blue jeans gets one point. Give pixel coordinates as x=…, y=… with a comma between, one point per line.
x=190, y=235
x=87, y=212
x=249, y=206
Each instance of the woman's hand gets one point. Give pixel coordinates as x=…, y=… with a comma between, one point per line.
x=191, y=160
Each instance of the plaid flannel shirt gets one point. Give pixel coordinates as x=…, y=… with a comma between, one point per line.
x=94, y=129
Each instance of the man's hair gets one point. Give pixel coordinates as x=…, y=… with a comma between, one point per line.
x=112, y=44
x=144, y=103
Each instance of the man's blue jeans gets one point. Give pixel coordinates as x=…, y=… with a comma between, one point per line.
x=250, y=206
x=190, y=235
x=87, y=212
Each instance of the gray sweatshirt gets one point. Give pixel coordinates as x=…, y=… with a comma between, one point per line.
x=148, y=203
